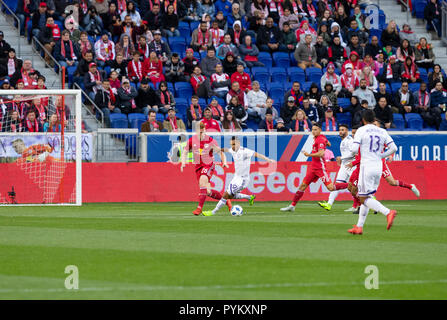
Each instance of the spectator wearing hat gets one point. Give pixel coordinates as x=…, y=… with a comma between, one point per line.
x=208, y=64
x=39, y=20
x=200, y=84
x=391, y=71
x=331, y=77
x=217, y=111
x=329, y=122
x=106, y=100
x=288, y=110
x=173, y=123
x=104, y=50
x=268, y=124
x=230, y=63
x=10, y=64
x=165, y=97
x=242, y=77
x=211, y=125
x=160, y=47
x=127, y=95
x=280, y=126
x=92, y=80
x=220, y=82
x=190, y=63
x=147, y=99
x=237, y=34
x=152, y=125
x=175, y=69
x=65, y=52
x=349, y=82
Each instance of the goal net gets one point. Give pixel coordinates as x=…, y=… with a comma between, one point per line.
x=40, y=147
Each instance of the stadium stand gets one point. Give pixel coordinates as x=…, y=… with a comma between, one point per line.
x=113, y=38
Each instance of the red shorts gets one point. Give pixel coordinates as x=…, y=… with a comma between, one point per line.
x=354, y=179
x=386, y=172
x=204, y=170
x=316, y=174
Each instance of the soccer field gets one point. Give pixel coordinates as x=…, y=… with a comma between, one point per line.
x=162, y=251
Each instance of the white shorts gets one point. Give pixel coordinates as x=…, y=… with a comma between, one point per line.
x=237, y=184
x=369, y=178
x=344, y=173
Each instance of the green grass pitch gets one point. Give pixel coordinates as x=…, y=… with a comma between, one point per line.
x=162, y=251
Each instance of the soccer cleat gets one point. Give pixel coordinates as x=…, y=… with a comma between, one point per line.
x=415, y=190
x=352, y=209
x=325, y=205
x=288, y=208
x=356, y=230
x=208, y=213
x=390, y=218
x=356, y=211
x=197, y=212
x=229, y=204
x=251, y=201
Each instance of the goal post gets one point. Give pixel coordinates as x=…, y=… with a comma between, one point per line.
x=40, y=147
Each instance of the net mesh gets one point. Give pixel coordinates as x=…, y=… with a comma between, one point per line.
x=37, y=151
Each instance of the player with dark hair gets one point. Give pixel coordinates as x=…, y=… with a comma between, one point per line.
x=242, y=161
x=318, y=168
x=203, y=148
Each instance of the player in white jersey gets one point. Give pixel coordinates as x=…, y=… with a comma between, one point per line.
x=371, y=141
x=242, y=161
x=344, y=173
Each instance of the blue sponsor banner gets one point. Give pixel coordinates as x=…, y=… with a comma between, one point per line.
x=288, y=147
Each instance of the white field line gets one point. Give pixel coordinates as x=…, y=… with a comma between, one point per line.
x=222, y=287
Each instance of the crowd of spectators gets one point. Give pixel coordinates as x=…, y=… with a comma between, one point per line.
x=122, y=54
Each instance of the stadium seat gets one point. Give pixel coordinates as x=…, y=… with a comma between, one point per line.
x=183, y=89
x=278, y=74
x=197, y=56
x=423, y=75
x=344, y=118
x=183, y=28
x=414, y=86
x=276, y=91
x=253, y=125
x=281, y=59
x=306, y=85
x=119, y=120
x=193, y=25
x=178, y=47
x=170, y=87
x=395, y=86
x=418, y=8
x=203, y=103
x=181, y=105
x=398, y=121
x=172, y=40
x=313, y=74
x=414, y=121
x=296, y=74
x=160, y=117
x=344, y=102
x=266, y=59
x=375, y=32
x=261, y=74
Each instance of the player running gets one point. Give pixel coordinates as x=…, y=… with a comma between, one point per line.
x=371, y=141
x=318, y=169
x=242, y=161
x=204, y=147
x=344, y=173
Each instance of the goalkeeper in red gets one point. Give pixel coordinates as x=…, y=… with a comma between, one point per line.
x=203, y=148
x=318, y=169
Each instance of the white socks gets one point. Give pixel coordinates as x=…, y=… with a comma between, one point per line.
x=241, y=196
x=219, y=205
x=332, y=196
x=376, y=206
x=362, y=215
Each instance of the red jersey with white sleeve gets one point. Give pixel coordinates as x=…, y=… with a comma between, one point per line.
x=320, y=142
x=354, y=179
x=386, y=172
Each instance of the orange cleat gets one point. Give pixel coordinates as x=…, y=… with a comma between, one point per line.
x=356, y=230
x=197, y=212
x=390, y=218
x=229, y=205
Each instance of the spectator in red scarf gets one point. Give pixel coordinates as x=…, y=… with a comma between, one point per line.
x=296, y=93
x=154, y=68
x=135, y=68
x=329, y=122
x=349, y=82
x=300, y=122
x=165, y=97
x=242, y=77
x=92, y=80
x=216, y=110
x=84, y=45
x=10, y=64
x=201, y=38
x=48, y=37
x=104, y=50
x=26, y=74
x=65, y=52
x=127, y=95
x=105, y=99
x=194, y=112
x=31, y=124
x=190, y=62
x=268, y=124
x=200, y=84
x=173, y=123
x=152, y=125
x=410, y=71
x=236, y=91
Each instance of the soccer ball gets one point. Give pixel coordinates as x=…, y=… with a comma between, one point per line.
x=237, y=211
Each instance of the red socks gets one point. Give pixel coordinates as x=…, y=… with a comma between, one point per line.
x=202, y=198
x=215, y=195
x=298, y=195
x=356, y=203
x=403, y=184
x=341, y=185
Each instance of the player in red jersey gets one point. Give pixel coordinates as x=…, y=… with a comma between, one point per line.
x=203, y=148
x=318, y=168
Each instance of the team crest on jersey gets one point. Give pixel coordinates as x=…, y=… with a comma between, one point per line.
x=205, y=146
